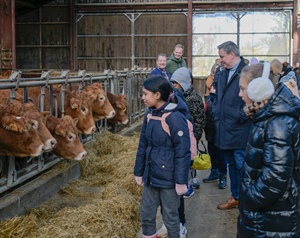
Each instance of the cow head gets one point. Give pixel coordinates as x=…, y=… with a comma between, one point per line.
x=101, y=106
x=43, y=132
x=65, y=132
x=120, y=104
x=78, y=106
x=19, y=132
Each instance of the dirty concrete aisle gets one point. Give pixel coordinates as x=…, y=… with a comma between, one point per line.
x=203, y=219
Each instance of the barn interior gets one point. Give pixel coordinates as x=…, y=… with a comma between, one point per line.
x=116, y=42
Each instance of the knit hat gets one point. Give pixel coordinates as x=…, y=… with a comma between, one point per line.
x=253, y=61
x=261, y=88
x=182, y=76
x=276, y=66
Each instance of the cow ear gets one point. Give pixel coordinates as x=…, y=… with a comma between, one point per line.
x=16, y=128
x=74, y=103
x=92, y=95
x=13, y=126
x=75, y=120
x=61, y=132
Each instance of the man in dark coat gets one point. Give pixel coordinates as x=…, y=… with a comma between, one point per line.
x=232, y=124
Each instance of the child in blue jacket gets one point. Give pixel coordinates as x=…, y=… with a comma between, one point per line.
x=162, y=161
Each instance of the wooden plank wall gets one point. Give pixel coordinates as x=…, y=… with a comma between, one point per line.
x=105, y=41
x=43, y=37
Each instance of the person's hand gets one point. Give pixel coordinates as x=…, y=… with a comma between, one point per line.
x=139, y=180
x=181, y=189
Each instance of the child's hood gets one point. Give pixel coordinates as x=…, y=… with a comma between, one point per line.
x=179, y=106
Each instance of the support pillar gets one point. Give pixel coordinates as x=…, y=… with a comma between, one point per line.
x=7, y=35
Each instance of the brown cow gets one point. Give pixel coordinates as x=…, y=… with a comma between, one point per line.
x=65, y=132
x=77, y=105
x=101, y=106
x=18, y=133
x=120, y=104
x=33, y=114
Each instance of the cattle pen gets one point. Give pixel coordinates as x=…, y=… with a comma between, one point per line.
x=15, y=172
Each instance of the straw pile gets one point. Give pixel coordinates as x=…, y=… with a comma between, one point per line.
x=103, y=202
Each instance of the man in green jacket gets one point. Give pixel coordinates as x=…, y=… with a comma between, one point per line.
x=176, y=60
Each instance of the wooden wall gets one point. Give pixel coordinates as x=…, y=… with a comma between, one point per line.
x=102, y=41
x=43, y=37
x=105, y=41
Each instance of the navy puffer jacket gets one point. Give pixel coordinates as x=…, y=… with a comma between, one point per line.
x=164, y=160
x=270, y=183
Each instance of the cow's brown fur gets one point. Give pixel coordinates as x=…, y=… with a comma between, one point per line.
x=18, y=133
x=77, y=105
x=65, y=132
x=101, y=106
x=120, y=104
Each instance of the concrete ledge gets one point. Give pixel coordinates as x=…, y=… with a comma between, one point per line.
x=133, y=128
x=37, y=191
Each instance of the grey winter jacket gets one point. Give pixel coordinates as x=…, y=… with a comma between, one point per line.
x=269, y=196
x=164, y=160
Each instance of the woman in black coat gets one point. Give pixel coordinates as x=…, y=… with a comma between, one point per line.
x=270, y=183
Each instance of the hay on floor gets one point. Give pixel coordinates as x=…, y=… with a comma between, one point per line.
x=103, y=202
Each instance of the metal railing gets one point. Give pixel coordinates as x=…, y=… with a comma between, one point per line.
x=14, y=171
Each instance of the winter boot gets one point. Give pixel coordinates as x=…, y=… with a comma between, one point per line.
x=195, y=183
x=213, y=177
x=222, y=181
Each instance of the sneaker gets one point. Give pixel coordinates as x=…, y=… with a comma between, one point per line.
x=222, y=181
x=183, y=231
x=213, y=177
x=189, y=193
x=195, y=183
x=162, y=232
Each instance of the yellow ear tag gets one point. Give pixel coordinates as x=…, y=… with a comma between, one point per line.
x=14, y=127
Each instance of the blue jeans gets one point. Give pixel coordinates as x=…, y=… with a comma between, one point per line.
x=168, y=199
x=235, y=160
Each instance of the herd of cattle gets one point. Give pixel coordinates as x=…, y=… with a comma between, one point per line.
x=25, y=131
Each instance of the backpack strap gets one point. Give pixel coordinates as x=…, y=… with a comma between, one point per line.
x=166, y=128
x=164, y=124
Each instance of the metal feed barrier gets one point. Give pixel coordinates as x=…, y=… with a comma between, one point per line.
x=14, y=171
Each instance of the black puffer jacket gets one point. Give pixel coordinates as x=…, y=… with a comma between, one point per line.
x=270, y=184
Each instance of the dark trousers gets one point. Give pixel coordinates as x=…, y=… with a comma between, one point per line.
x=218, y=160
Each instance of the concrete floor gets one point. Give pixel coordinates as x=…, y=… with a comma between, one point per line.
x=203, y=219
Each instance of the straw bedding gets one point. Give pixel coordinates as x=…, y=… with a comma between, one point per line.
x=103, y=202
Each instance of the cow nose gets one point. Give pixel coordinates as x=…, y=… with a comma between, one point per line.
x=53, y=143
x=94, y=130
x=113, y=113
x=83, y=155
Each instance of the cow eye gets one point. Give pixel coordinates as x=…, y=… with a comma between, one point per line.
x=71, y=137
x=101, y=98
x=34, y=124
x=83, y=109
